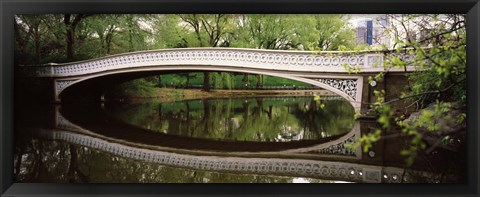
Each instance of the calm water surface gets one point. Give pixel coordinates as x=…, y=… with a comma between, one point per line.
x=246, y=140
x=242, y=119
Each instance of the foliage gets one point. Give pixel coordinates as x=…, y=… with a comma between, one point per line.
x=439, y=54
x=43, y=37
x=225, y=81
x=334, y=33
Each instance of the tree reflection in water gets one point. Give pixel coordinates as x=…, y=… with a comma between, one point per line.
x=243, y=119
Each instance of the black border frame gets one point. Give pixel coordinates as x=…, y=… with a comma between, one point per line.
x=8, y=8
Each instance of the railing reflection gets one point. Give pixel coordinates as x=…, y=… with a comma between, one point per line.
x=343, y=171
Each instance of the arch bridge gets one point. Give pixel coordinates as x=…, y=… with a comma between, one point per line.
x=330, y=70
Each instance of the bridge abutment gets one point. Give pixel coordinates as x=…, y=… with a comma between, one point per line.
x=393, y=84
x=35, y=90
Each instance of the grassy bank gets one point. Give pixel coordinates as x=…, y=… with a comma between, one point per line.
x=223, y=80
x=171, y=94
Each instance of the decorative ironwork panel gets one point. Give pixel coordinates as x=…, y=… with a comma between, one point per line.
x=347, y=86
x=337, y=149
x=61, y=85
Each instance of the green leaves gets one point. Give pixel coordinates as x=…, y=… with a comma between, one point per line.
x=384, y=113
x=351, y=69
x=446, y=140
x=397, y=62
x=351, y=146
x=366, y=141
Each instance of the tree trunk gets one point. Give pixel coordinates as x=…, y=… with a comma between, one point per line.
x=206, y=116
x=37, y=44
x=73, y=163
x=206, y=81
x=70, y=41
x=108, y=42
x=160, y=81
x=245, y=77
x=260, y=81
x=188, y=81
x=130, y=34
x=20, y=42
x=70, y=29
x=70, y=36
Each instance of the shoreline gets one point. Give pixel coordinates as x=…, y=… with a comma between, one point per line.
x=171, y=94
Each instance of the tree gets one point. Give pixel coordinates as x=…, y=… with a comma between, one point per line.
x=26, y=29
x=334, y=32
x=209, y=31
x=279, y=31
x=38, y=39
x=168, y=33
x=105, y=27
x=71, y=22
x=293, y=32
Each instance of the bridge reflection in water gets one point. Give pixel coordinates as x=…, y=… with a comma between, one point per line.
x=321, y=159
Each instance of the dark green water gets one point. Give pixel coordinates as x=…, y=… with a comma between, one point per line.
x=242, y=119
x=206, y=140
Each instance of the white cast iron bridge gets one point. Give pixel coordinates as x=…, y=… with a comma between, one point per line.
x=331, y=70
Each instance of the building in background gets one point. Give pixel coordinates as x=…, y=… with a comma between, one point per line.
x=371, y=31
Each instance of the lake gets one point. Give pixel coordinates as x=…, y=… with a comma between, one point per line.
x=274, y=139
